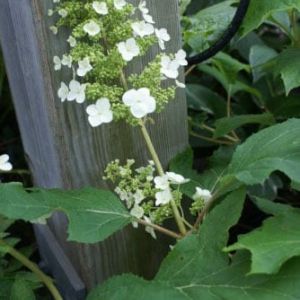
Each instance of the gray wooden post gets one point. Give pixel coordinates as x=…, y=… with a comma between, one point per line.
x=61, y=148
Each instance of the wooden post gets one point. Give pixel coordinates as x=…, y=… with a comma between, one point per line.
x=61, y=148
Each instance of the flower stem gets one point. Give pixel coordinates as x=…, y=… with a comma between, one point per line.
x=160, y=229
x=48, y=282
x=160, y=171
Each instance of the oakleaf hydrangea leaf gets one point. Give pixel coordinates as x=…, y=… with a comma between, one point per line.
x=93, y=214
x=276, y=148
x=274, y=243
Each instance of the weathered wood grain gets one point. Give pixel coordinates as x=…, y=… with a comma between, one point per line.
x=63, y=150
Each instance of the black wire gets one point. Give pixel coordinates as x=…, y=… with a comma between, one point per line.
x=226, y=37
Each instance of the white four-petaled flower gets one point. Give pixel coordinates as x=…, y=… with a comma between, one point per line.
x=128, y=49
x=91, y=28
x=77, y=91
x=142, y=7
x=137, y=211
x=100, y=7
x=180, y=58
x=5, y=165
x=163, y=197
x=84, y=67
x=119, y=4
x=140, y=102
x=57, y=63
x=142, y=28
x=161, y=182
x=203, y=194
x=67, y=60
x=63, y=92
x=63, y=12
x=169, y=68
x=175, y=178
x=148, y=18
x=162, y=36
x=72, y=41
x=100, y=112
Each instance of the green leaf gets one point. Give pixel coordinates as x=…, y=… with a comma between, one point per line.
x=201, y=98
x=234, y=88
x=275, y=242
x=209, y=24
x=229, y=66
x=276, y=148
x=21, y=290
x=226, y=125
x=260, y=10
x=288, y=65
x=261, y=60
x=93, y=214
x=134, y=288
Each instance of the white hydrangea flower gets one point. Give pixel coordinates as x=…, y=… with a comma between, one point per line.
x=162, y=36
x=67, y=60
x=119, y=4
x=169, y=68
x=142, y=28
x=91, y=28
x=84, y=67
x=180, y=58
x=57, y=63
x=161, y=182
x=137, y=211
x=100, y=112
x=54, y=29
x=202, y=194
x=5, y=165
x=63, y=12
x=100, y=7
x=56, y=1
x=142, y=7
x=149, y=229
x=124, y=196
x=72, y=41
x=163, y=197
x=128, y=49
x=77, y=91
x=50, y=12
x=180, y=84
x=148, y=19
x=138, y=197
x=63, y=92
x=175, y=178
x=140, y=102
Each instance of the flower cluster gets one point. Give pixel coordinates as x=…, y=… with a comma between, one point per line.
x=5, y=165
x=105, y=37
x=201, y=198
x=145, y=195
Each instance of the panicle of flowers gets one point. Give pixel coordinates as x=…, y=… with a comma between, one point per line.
x=145, y=195
x=105, y=37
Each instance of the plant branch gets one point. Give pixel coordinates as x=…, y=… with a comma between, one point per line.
x=48, y=282
x=161, y=172
x=160, y=229
x=212, y=140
